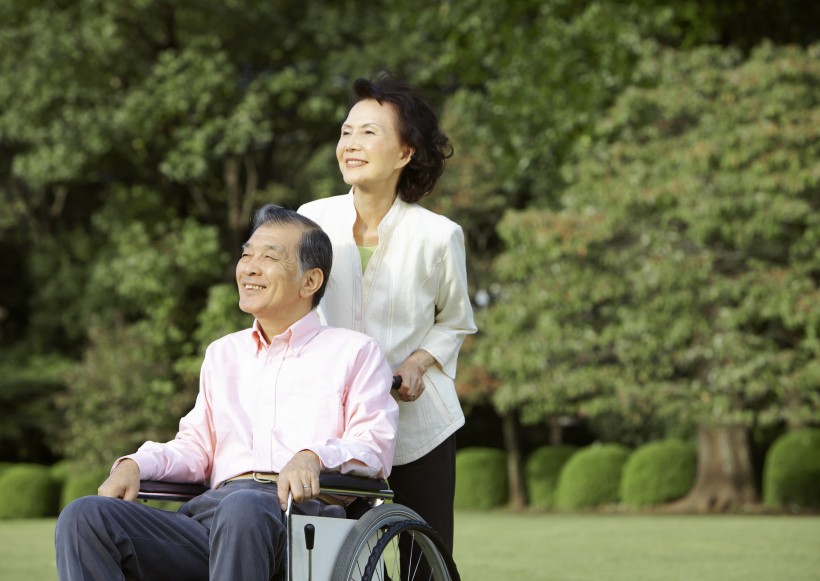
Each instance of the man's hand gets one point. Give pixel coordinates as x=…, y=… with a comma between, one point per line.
x=300, y=477
x=124, y=481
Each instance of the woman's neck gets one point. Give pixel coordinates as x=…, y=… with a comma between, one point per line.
x=371, y=208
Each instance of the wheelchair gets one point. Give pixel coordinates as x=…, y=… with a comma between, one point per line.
x=349, y=549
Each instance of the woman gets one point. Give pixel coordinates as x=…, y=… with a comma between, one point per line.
x=399, y=275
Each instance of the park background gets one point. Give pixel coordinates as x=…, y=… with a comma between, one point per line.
x=638, y=182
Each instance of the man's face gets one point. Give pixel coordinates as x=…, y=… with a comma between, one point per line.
x=267, y=274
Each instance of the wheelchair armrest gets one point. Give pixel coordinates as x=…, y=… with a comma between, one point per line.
x=350, y=485
x=329, y=483
x=176, y=491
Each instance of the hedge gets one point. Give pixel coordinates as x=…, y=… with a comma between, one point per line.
x=659, y=472
x=791, y=471
x=592, y=477
x=28, y=491
x=542, y=471
x=79, y=484
x=481, y=478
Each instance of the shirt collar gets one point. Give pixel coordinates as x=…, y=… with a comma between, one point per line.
x=296, y=336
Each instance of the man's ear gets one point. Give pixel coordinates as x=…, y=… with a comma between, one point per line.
x=311, y=282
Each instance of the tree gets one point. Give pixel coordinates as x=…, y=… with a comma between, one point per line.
x=134, y=141
x=680, y=276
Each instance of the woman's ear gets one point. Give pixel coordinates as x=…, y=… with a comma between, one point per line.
x=311, y=282
x=407, y=155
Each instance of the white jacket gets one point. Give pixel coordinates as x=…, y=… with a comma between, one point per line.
x=413, y=295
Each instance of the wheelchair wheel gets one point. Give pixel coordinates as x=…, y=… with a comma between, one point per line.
x=371, y=550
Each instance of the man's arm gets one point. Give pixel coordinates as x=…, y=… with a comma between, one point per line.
x=368, y=438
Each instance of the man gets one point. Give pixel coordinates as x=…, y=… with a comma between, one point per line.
x=278, y=404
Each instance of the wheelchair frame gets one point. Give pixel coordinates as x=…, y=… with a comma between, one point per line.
x=368, y=547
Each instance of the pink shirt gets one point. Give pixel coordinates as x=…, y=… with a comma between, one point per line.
x=314, y=387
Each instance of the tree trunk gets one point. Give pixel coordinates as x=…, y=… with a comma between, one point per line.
x=515, y=468
x=725, y=478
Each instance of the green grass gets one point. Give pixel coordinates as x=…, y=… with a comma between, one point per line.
x=525, y=547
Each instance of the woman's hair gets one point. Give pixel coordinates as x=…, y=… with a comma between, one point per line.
x=314, y=249
x=418, y=128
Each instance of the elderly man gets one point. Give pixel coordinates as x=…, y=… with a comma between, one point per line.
x=278, y=404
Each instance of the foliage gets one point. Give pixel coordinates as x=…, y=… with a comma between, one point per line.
x=542, y=472
x=792, y=471
x=591, y=477
x=679, y=278
x=28, y=491
x=658, y=472
x=136, y=138
x=28, y=416
x=81, y=483
x=481, y=481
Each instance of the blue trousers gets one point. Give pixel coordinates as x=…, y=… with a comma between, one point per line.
x=235, y=532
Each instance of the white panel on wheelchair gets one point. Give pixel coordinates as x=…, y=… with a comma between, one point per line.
x=329, y=535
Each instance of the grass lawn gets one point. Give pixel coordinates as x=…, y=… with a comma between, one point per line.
x=523, y=547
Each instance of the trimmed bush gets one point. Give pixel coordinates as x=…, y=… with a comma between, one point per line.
x=592, y=477
x=791, y=472
x=28, y=491
x=61, y=471
x=481, y=478
x=659, y=472
x=542, y=470
x=79, y=484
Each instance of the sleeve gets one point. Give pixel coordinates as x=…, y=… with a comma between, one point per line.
x=454, y=313
x=189, y=456
x=371, y=417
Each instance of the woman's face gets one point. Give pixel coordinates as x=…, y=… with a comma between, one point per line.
x=370, y=153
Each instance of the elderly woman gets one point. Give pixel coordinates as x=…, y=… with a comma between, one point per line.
x=399, y=275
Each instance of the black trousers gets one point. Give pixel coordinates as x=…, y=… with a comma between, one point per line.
x=428, y=486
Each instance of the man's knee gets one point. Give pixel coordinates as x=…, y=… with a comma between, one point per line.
x=87, y=511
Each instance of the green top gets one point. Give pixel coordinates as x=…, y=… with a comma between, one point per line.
x=365, y=252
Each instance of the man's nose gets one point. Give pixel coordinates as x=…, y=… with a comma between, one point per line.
x=250, y=266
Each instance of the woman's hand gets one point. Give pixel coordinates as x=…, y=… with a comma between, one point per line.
x=412, y=370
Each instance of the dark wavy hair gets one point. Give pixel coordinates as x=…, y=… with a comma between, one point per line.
x=418, y=128
x=314, y=250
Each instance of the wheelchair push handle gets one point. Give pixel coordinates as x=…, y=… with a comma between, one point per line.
x=396, y=382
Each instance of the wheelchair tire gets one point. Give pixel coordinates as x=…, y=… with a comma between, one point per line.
x=427, y=555
x=370, y=551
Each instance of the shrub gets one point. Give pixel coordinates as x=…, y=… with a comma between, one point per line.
x=28, y=491
x=791, y=472
x=659, y=472
x=542, y=470
x=481, y=481
x=60, y=471
x=81, y=483
x=592, y=477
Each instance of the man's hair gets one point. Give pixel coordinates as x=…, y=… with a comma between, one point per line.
x=418, y=128
x=314, y=249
